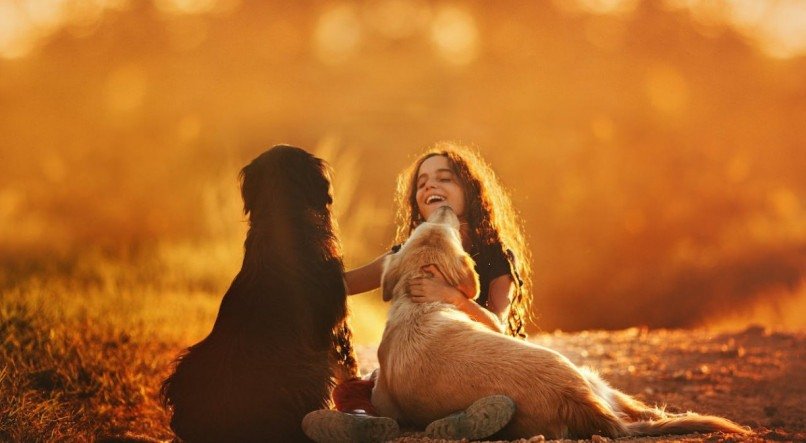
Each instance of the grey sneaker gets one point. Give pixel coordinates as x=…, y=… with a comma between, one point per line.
x=482, y=419
x=331, y=426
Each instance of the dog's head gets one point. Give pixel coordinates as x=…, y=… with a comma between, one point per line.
x=285, y=178
x=436, y=241
x=287, y=196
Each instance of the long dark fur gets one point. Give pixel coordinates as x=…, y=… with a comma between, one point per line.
x=269, y=359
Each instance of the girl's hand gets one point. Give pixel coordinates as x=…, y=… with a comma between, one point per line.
x=433, y=288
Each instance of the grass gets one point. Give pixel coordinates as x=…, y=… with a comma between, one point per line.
x=76, y=380
x=86, y=340
x=84, y=354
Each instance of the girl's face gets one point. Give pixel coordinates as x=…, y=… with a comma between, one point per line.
x=438, y=186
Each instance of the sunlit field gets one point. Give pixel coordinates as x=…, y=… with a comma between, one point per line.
x=83, y=356
x=87, y=337
x=654, y=149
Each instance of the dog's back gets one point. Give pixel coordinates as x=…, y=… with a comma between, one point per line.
x=267, y=361
x=435, y=361
x=261, y=369
x=457, y=361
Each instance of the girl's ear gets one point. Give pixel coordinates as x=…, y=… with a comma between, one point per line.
x=468, y=279
x=390, y=276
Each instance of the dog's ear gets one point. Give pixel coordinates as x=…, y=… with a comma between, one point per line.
x=469, y=281
x=389, y=276
x=451, y=269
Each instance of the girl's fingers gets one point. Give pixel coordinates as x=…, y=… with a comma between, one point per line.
x=420, y=288
x=434, y=272
x=430, y=270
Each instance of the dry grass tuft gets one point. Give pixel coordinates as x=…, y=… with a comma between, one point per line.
x=85, y=360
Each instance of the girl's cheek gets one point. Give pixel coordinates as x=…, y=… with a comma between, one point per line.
x=421, y=211
x=461, y=194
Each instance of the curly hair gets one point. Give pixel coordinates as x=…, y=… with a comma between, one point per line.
x=490, y=216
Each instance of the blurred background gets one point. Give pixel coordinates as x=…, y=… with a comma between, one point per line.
x=656, y=150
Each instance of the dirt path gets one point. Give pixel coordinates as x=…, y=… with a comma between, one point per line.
x=755, y=377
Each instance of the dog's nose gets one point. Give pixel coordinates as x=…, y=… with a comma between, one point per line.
x=445, y=215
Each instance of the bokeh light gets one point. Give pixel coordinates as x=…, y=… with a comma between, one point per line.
x=126, y=88
x=338, y=34
x=776, y=26
x=666, y=89
x=653, y=148
x=454, y=34
x=397, y=19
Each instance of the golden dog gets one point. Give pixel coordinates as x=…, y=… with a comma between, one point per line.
x=434, y=360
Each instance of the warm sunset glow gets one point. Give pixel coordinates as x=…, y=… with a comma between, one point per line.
x=189, y=129
x=653, y=148
x=338, y=34
x=196, y=6
x=614, y=7
x=654, y=151
x=666, y=89
x=782, y=33
x=10, y=202
x=786, y=204
x=187, y=32
x=603, y=128
x=606, y=32
x=454, y=34
x=17, y=33
x=775, y=26
x=397, y=19
x=126, y=88
x=26, y=24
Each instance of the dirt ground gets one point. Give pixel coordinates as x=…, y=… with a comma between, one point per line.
x=755, y=377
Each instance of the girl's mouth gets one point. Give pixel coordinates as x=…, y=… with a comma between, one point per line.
x=434, y=199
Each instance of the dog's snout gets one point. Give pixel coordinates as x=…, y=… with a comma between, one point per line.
x=445, y=215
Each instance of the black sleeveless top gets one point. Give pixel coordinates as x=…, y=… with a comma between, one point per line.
x=491, y=262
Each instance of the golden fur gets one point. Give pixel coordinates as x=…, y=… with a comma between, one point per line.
x=434, y=360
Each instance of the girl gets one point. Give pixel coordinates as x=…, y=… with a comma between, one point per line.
x=451, y=175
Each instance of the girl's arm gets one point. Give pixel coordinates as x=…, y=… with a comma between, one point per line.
x=365, y=278
x=500, y=295
x=477, y=313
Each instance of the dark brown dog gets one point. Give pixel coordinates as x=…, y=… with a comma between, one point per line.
x=280, y=335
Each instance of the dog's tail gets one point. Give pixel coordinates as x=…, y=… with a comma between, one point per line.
x=639, y=419
x=684, y=424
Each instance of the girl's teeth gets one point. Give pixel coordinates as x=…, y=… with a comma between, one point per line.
x=434, y=198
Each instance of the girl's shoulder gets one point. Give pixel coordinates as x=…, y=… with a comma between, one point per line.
x=491, y=261
x=500, y=260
